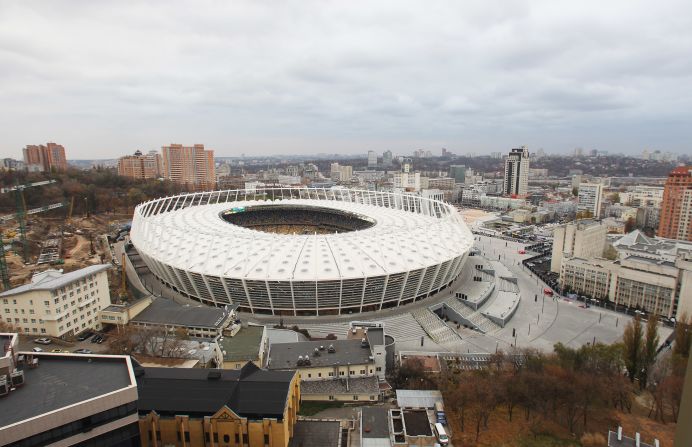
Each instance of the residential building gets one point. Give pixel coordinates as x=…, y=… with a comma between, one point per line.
x=408, y=181
x=246, y=344
x=344, y=369
x=139, y=166
x=582, y=239
x=590, y=198
x=201, y=407
x=195, y=320
x=590, y=277
x=189, y=165
x=516, y=179
x=387, y=159
x=458, y=173
x=406, y=164
x=58, y=304
x=372, y=159
x=10, y=164
x=642, y=195
x=443, y=183
x=66, y=399
x=50, y=157
x=676, y=209
x=340, y=173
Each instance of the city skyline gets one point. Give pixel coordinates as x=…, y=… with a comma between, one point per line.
x=328, y=78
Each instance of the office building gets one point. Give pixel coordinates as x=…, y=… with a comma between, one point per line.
x=590, y=198
x=189, y=165
x=516, y=179
x=139, y=166
x=202, y=407
x=582, y=239
x=406, y=165
x=193, y=320
x=408, y=181
x=40, y=158
x=57, y=304
x=387, y=159
x=675, y=220
x=66, y=399
x=458, y=173
x=372, y=159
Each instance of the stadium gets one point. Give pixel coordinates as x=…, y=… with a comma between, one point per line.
x=302, y=251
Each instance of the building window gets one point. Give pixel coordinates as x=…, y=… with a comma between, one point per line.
x=266, y=439
x=378, y=369
x=237, y=438
x=362, y=371
x=341, y=373
x=43, y=331
x=355, y=397
x=331, y=397
x=309, y=375
x=226, y=439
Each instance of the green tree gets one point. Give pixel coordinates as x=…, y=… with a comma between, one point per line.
x=651, y=342
x=683, y=336
x=633, y=341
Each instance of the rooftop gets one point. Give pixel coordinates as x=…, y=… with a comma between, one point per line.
x=376, y=336
x=244, y=345
x=375, y=422
x=61, y=380
x=54, y=279
x=316, y=434
x=348, y=352
x=360, y=385
x=165, y=311
x=417, y=398
x=250, y=392
x=417, y=423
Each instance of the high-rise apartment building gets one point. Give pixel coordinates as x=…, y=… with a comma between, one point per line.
x=590, y=198
x=372, y=159
x=583, y=239
x=139, y=166
x=387, y=159
x=189, y=165
x=340, y=173
x=516, y=180
x=45, y=158
x=675, y=221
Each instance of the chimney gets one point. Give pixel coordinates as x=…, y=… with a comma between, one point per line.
x=619, y=433
x=637, y=440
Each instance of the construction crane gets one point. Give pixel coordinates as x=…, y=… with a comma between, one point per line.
x=20, y=215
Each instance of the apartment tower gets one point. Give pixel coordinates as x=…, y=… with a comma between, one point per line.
x=189, y=165
x=676, y=209
x=139, y=166
x=50, y=157
x=516, y=182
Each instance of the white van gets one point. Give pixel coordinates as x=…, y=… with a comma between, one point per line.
x=441, y=434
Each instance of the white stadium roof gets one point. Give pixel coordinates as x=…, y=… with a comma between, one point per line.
x=198, y=239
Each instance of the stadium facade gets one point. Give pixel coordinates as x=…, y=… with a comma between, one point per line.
x=342, y=251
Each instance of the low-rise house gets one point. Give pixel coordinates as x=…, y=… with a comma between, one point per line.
x=197, y=320
x=247, y=344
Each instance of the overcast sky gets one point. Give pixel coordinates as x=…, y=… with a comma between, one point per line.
x=105, y=78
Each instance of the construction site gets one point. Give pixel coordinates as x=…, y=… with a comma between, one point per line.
x=38, y=236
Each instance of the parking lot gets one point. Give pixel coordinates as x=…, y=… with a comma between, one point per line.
x=26, y=343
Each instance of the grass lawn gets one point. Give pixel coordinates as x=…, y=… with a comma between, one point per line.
x=308, y=408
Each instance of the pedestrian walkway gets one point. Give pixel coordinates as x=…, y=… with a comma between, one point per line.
x=438, y=331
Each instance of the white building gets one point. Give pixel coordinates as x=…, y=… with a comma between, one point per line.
x=58, y=304
x=516, y=181
x=406, y=180
x=582, y=239
x=341, y=173
x=590, y=198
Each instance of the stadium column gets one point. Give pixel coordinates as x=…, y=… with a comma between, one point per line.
x=384, y=289
x=247, y=295
x=403, y=288
x=362, y=295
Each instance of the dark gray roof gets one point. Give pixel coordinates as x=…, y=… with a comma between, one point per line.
x=165, y=311
x=250, y=392
x=360, y=385
x=244, y=345
x=376, y=336
x=348, y=352
x=417, y=423
x=375, y=422
x=62, y=380
x=316, y=434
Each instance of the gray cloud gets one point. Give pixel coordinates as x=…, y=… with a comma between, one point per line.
x=106, y=78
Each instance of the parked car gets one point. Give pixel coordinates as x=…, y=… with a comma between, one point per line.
x=82, y=351
x=84, y=335
x=37, y=349
x=56, y=350
x=96, y=338
x=43, y=341
x=102, y=338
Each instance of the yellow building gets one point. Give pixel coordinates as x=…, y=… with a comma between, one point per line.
x=217, y=408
